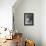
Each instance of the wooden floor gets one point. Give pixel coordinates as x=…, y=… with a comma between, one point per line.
x=9, y=43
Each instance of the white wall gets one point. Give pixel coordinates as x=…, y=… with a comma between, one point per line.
x=6, y=13
x=43, y=22
x=30, y=32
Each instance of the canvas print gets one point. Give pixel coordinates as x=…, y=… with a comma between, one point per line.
x=28, y=18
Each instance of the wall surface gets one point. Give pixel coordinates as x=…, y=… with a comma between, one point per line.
x=29, y=32
x=6, y=13
x=43, y=22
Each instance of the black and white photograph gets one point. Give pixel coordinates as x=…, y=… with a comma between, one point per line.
x=28, y=19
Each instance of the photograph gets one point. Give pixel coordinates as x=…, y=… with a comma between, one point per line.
x=28, y=18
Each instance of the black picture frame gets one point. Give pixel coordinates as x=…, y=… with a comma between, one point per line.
x=28, y=19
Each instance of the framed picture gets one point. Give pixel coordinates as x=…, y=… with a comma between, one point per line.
x=28, y=19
